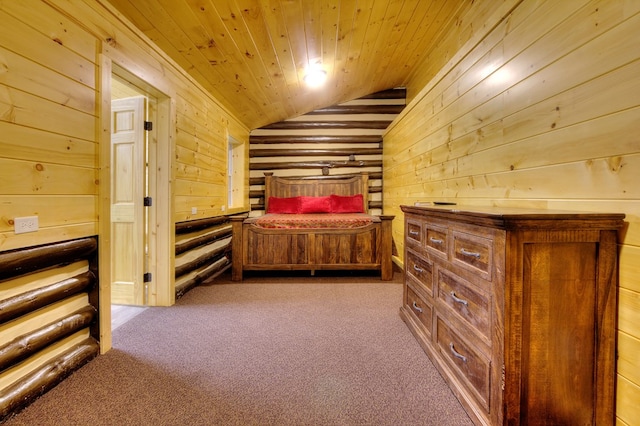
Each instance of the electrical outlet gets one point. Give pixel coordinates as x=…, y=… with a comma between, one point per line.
x=25, y=224
x=194, y=210
x=223, y=208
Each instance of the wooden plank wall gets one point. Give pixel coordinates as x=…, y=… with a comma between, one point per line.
x=338, y=140
x=55, y=59
x=49, y=120
x=538, y=107
x=48, y=127
x=202, y=129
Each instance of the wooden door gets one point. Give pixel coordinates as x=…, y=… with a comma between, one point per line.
x=128, y=174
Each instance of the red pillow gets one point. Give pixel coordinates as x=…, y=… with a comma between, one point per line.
x=347, y=203
x=315, y=204
x=283, y=205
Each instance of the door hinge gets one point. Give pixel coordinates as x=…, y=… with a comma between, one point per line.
x=148, y=201
x=146, y=278
x=148, y=125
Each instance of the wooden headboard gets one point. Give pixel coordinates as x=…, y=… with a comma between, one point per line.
x=316, y=187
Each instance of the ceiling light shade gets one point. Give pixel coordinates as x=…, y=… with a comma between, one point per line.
x=315, y=76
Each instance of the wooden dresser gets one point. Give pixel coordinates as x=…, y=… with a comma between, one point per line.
x=517, y=309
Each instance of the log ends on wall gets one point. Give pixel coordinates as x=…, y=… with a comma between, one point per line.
x=24, y=303
x=318, y=165
x=341, y=139
x=372, y=175
x=58, y=283
x=315, y=139
x=323, y=125
x=37, y=383
x=203, y=251
x=30, y=343
x=23, y=261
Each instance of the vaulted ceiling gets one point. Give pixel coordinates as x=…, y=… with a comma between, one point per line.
x=252, y=54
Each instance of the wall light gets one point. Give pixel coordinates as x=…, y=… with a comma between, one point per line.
x=315, y=76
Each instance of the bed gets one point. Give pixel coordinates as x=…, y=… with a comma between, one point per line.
x=313, y=224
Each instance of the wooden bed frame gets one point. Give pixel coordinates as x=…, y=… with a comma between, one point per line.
x=365, y=248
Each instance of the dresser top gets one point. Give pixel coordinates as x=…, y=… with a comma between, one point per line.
x=514, y=217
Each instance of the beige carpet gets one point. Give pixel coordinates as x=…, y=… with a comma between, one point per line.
x=275, y=350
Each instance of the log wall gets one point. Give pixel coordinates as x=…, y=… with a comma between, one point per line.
x=540, y=107
x=342, y=139
x=48, y=318
x=203, y=251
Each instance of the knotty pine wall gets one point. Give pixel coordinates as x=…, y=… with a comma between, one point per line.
x=56, y=59
x=539, y=106
x=338, y=140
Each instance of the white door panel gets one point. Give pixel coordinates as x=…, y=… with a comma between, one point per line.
x=127, y=194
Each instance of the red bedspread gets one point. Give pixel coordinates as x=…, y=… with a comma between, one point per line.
x=314, y=221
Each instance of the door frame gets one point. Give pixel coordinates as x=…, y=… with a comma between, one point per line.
x=161, y=224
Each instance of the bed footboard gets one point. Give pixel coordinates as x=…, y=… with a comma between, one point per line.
x=367, y=248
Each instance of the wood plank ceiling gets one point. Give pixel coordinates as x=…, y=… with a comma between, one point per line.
x=252, y=54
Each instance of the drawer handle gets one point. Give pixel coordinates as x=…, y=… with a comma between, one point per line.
x=470, y=253
x=412, y=232
x=417, y=269
x=416, y=307
x=435, y=240
x=456, y=353
x=457, y=299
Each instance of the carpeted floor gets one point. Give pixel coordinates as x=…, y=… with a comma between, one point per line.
x=292, y=350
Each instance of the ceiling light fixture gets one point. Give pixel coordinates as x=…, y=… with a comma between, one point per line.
x=315, y=76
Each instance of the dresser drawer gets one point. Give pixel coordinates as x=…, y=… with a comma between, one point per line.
x=467, y=362
x=473, y=252
x=421, y=270
x=461, y=299
x=414, y=232
x=421, y=309
x=436, y=240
